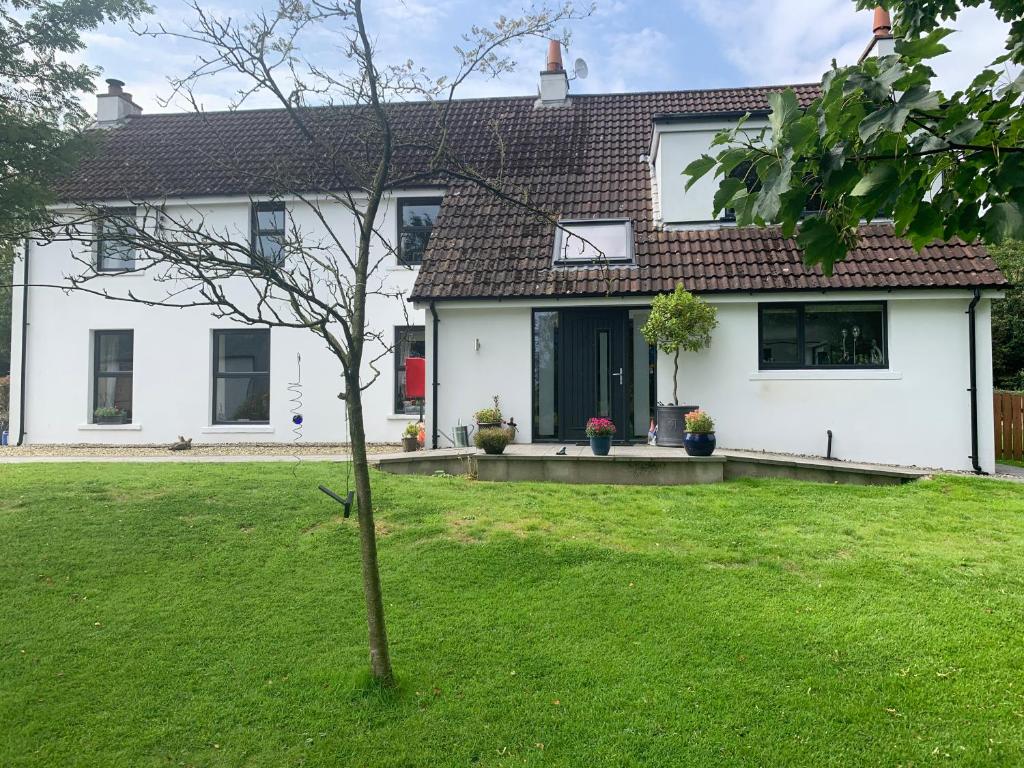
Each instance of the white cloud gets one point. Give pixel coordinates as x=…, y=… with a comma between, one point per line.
x=780, y=41
x=980, y=37
x=621, y=61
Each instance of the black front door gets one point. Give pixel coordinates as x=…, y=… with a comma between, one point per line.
x=592, y=370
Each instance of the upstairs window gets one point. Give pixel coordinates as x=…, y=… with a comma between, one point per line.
x=114, y=353
x=745, y=172
x=114, y=250
x=594, y=241
x=416, y=217
x=823, y=335
x=241, y=377
x=268, y=232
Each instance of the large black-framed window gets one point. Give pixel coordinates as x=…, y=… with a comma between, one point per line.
x=410, y=341
x=746, y=173
x=241, y=376
x=416, y=217
x=268, y=231
x=114, y=251
x=823, y=335
x=113, y=364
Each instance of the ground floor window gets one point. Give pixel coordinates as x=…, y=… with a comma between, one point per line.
x=241, y=377
x=410, y=341
x=823, y=335
x=545, y=375
x=112, y=377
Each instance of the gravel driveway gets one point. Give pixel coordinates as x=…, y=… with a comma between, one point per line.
x=198, y=450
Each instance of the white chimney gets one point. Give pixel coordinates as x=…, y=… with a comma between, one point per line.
x=554, y=83
x=115, y=106
x=882, y=42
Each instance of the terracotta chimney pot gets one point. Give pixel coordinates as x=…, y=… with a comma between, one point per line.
x=883, y=23
x=114, y=86
x=554, y=63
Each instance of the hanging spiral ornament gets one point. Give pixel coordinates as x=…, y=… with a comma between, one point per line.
x=295, y=392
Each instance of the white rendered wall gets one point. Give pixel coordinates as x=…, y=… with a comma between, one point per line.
x=676, y=146
x=172, y=387
x=915, y=413
x=469, y=377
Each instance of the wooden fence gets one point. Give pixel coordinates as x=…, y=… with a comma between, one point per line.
x=1009, y=425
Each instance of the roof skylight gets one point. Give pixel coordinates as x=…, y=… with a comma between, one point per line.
x=590, y=241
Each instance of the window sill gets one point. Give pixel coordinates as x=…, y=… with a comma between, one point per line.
x=879, y=374
x=109, y=427
x=403, y=417
x=120, y=273
x=412, y=268
x=238, y=429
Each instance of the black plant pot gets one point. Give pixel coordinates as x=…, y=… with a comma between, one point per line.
x=672, y=424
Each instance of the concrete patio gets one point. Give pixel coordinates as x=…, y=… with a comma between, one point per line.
x=636, y=465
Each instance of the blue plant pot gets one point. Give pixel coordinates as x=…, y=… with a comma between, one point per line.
x=601, y=445
x=699, y=444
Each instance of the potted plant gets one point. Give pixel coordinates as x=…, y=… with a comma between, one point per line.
x=600, y=432
x=678, y=321
x=410, y=437
x=492, y=440
x=109, y=415
x=489, y=418
x=699, y=439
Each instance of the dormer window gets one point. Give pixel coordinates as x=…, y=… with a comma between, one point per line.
x=594, y=241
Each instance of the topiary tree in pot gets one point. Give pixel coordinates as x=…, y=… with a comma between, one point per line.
x=678, y=321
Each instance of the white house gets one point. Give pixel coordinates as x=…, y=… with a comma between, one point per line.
x=892, y=354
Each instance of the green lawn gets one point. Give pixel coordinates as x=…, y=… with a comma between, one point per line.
x=211, y=615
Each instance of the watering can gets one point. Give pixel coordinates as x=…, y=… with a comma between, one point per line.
x=461, y=435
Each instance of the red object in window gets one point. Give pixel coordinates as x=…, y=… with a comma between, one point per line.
x=415, y=378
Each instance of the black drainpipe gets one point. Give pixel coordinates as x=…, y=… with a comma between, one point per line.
x=972, y=332
x=24, y=350
x=433, y=384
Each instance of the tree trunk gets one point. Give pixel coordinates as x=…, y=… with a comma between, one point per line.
x=380, y=657
x=675, y=379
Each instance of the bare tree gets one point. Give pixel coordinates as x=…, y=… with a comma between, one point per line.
x=320, y=275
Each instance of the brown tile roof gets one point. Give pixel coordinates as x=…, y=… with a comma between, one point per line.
x=582, y=161
x=479, y=264
x=587, y=161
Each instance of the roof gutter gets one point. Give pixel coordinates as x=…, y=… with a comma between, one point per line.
x=434, y=382
x=973, y=353
x=689, y=117
x=24, y=350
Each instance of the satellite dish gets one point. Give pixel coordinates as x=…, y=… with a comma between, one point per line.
x=580, y=68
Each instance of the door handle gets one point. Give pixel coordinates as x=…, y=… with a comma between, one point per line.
x=620, y=375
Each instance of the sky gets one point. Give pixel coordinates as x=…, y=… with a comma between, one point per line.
x=628, y=45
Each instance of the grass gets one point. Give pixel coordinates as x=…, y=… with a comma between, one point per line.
x=211, y=615
x=1011, y=462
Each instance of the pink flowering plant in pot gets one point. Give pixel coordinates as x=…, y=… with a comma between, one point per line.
x=600, y=431
x=699, y=438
